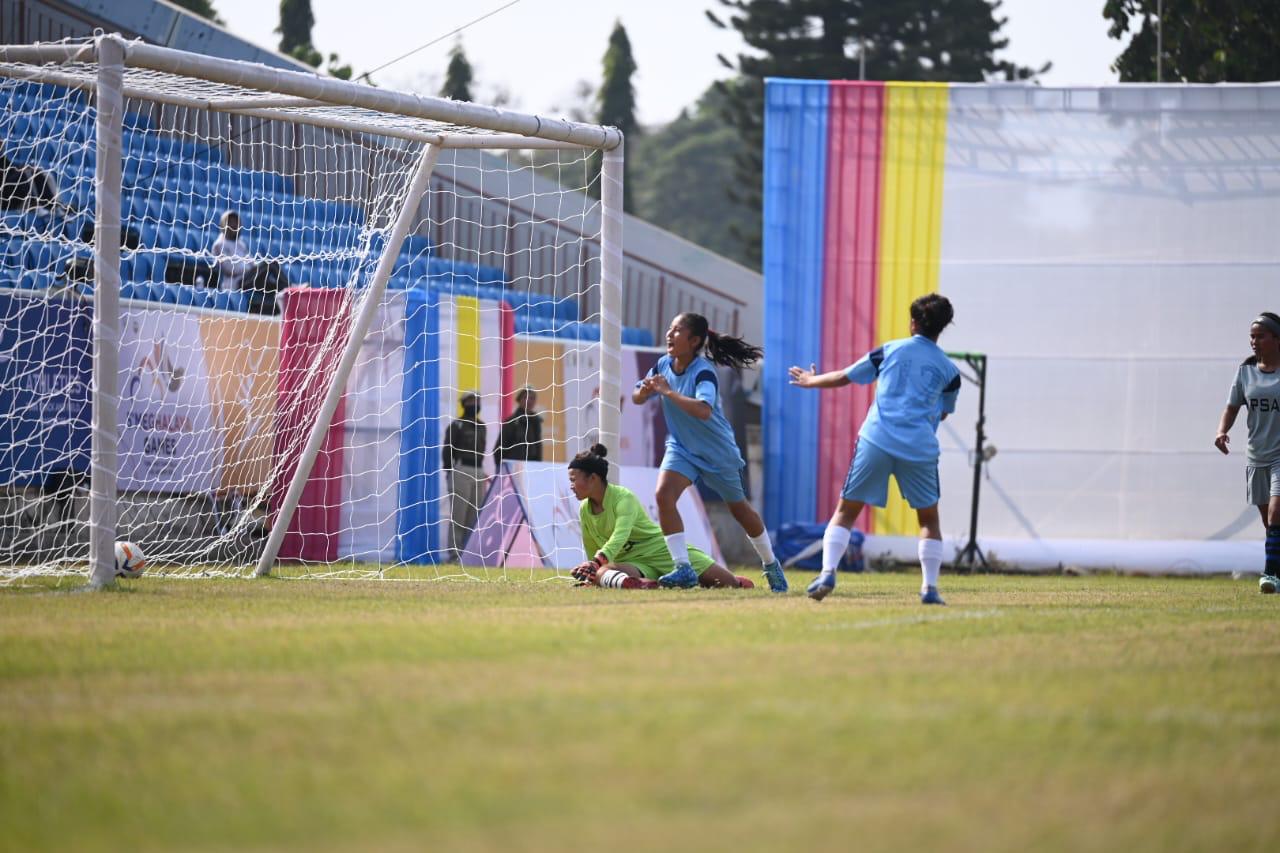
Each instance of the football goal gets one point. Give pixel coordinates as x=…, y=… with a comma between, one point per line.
x=257, y=320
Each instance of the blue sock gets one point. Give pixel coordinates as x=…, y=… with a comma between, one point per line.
x=1273, y=551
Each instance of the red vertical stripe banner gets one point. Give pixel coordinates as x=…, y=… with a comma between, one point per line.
x=310, y=316
x=855, y=147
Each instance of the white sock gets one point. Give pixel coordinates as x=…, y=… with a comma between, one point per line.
x=678, y=547
x=930, y=562
x=763, y=546
x=612, y=578
x=834, y=543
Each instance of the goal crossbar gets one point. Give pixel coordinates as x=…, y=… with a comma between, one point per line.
x=327, y=91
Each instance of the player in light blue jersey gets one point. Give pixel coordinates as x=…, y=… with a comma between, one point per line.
x=700, y=443
x=916, y=387
x=1257, y=388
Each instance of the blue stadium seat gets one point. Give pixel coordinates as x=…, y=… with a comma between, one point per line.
x=203, y=297
x=450, y=285
x=137, y=121
x=12, y=250
x=36, y=280
x=416, y=246
x=636, y=337
x=43, y=255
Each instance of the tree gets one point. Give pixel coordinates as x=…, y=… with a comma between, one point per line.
x=458, y=76
x=1203, y=41
x=942, y=40
x=687, y=169
x=617, y=99
x=203, y=8
x=296, y=22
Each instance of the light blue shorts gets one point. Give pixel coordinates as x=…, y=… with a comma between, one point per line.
x=726, y=482
x=868, y=478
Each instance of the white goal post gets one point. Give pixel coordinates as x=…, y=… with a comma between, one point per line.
x=337, y=177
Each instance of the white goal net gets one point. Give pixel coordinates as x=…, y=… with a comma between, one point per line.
x=258, y=320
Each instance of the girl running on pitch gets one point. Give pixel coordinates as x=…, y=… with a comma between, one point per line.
x=628, y=547
x=1257, y=385
x=700, y=443
x=916, y=387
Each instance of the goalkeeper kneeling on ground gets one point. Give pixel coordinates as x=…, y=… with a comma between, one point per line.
x=630, y=552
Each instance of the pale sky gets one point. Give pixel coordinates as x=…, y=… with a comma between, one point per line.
x=537, y=50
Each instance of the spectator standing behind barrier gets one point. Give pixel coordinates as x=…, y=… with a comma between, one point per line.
x=235, y=268
x=521, y=435
x=463, y=457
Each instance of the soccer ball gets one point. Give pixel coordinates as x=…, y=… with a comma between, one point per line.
x=129, y=560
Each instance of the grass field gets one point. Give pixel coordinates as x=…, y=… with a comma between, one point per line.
x=1034, y=713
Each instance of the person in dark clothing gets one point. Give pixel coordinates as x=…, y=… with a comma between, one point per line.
x=463, y=457
x=521, y=435
x=26, y=187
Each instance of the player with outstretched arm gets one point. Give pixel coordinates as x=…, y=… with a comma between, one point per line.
x=700, y=442
x=916, y=388
x=1257, y=386
x=627, y=547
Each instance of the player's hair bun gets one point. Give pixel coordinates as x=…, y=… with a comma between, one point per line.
x=600, y=450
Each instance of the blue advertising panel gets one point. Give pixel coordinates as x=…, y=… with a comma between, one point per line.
x=45, y=374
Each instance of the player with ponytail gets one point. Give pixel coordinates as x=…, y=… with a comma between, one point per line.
x=626, y=547
x=700, y=442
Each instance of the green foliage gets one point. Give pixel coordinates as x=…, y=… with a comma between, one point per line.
x=308, y=54
x=941, y=40
x=296, y=21
x=295, y=26
x=203, y=8
x=1032, y=714
x=617, y=106
x=1204, y=41
x=458, y=76
x=687, y=174
x=337, y=69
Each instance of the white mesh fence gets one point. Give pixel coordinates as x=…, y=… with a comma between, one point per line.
x=249, y=246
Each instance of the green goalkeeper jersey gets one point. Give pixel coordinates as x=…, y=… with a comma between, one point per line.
x=626, y=534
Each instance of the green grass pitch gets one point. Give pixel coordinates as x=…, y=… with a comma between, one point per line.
x=1034, y=713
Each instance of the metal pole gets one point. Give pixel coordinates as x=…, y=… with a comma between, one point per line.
x=971, y=550
x=611, y=272
x=103, y=516
x=359, y=328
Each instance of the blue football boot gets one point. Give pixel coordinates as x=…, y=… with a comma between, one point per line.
x=776, y=577
x=822, y=586
x=682, y=576
x=930, y=596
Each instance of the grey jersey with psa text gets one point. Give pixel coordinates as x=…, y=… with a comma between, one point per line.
x=1259, y=393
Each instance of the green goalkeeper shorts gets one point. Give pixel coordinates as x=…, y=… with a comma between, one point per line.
x=653, y=569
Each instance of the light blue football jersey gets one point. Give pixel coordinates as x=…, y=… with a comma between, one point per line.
x=708, y=443
x=915, y=384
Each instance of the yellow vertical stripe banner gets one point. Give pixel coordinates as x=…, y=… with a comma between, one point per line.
x=910, y=230
x=468, y=341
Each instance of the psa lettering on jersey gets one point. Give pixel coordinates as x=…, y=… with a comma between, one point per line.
x=1264, y=404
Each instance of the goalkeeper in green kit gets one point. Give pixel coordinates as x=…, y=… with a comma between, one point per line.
x=629, y=551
